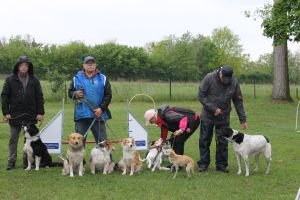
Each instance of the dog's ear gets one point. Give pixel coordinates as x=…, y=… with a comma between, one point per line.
x=35, y=129
x=81, y=137
x=238, y=138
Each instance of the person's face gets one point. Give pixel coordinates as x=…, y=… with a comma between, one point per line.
x=23, y=68
x=222, y=79
x=90, y=66
x=153, y=120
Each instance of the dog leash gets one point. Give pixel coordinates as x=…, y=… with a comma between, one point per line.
x=87, y=131
x=92, y=107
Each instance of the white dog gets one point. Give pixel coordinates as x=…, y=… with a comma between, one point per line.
x=131, y=159
x=101, y=157
x=244, y=145
x=154, y=156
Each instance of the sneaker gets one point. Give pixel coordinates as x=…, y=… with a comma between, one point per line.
x=222, y=169
x=10, y=166
x=202, y=168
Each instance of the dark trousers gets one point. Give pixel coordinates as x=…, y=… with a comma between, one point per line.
x=13, y=143
x=177, y=143
x=206, y=135
x=98, y=129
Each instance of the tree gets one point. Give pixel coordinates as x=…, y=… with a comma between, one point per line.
x=281, y=22
x=229, y=49
x=207, y=56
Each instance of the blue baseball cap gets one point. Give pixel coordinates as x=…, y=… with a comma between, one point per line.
x=86, y=59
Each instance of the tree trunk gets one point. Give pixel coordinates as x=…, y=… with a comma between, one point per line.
x=281, y=87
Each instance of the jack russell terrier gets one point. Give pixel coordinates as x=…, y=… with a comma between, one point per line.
x=245, y=145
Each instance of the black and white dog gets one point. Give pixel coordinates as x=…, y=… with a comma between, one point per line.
x=34, y=148
x=245, y=145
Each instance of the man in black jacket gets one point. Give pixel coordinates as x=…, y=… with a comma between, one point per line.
x=22, y=102
x=216, y=92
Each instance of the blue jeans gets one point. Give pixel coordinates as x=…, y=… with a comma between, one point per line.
x=98, y=129
x=206, y=135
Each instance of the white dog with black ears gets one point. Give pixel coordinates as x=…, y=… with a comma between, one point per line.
x=245, y=145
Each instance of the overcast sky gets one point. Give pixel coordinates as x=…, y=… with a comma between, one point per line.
x=131, y=22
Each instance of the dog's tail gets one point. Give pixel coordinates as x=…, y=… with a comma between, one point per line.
x=267, y=139
x=142, y=160
x=268, y=151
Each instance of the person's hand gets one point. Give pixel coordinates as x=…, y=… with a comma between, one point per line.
x=244, y=125
x=218, y=112
x=98, y=112
x=7, y=117
x=79, y=94
x=178, y=132
x=40, y=117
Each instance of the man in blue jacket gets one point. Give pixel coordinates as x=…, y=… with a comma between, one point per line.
x=92, y=93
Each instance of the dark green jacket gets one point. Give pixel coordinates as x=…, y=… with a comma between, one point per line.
x=214, y=94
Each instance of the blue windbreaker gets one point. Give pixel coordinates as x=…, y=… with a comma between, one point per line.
x=93, y=90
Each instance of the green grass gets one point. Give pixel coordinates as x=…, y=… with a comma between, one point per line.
x=275, y=120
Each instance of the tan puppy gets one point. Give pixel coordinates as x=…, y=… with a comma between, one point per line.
x=131, y=159
x=75, y=155
x=101, y=158
x=180, y=161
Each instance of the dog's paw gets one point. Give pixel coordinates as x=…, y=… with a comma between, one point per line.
x=246, y=175
x=28, y=169
x=239, y=172
x=37, y=169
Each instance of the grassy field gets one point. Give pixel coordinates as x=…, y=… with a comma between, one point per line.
x=275, y=120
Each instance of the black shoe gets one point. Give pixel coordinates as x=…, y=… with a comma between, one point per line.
x=202, y=168
x=222, y=169
x=10, y=166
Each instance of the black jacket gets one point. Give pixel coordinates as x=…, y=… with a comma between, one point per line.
x=172, y=116
x=214, y=94
x=23, y=106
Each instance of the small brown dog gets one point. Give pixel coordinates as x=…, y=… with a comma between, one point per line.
x=131, y=159
x=75, y=155
x=180, y=161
